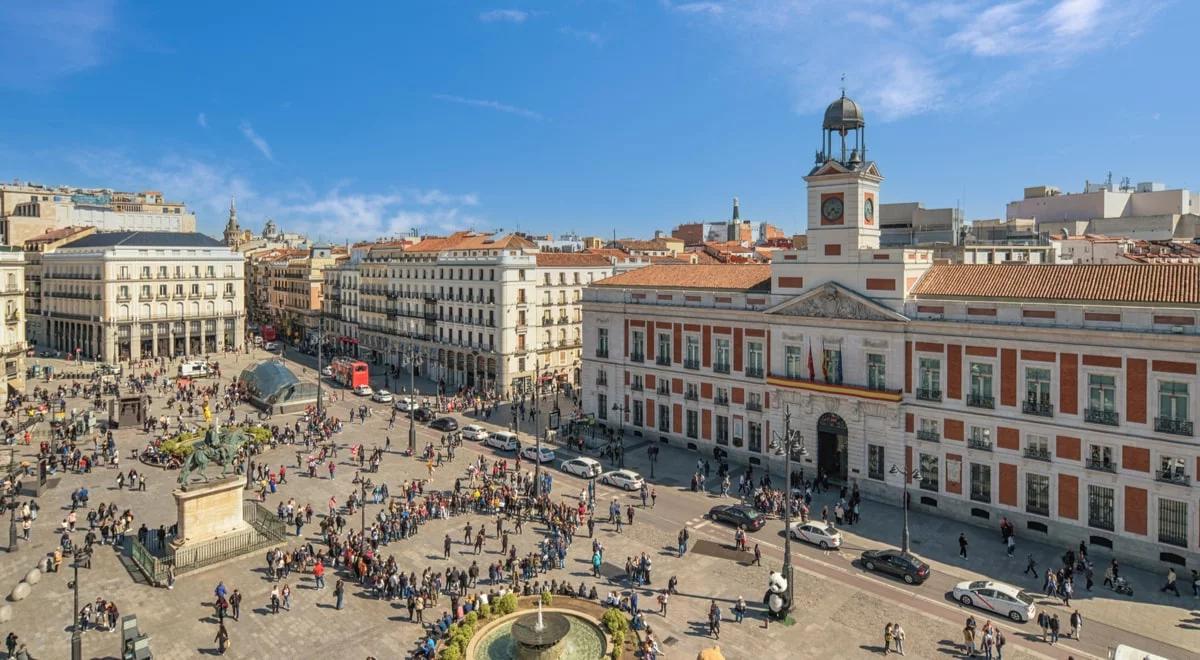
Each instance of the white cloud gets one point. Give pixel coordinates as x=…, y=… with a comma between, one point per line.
x=255, y=139
x=907, y=57
x=490, y=105
x=202, y=120
x=336, y=214
x=504, y=16
x=41, y=42
x=590, y=37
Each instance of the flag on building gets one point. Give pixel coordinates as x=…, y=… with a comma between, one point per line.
x=812, y=375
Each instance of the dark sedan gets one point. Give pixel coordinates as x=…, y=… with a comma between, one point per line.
x=906, y=566
x=738, y=515
x=444, y=424
x=423, y=415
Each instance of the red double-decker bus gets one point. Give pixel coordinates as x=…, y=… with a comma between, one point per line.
x=350, y=373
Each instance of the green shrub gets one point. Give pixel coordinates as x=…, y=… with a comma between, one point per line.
x=485, y=610
x=614, y=621
x=618, y=641
x=451, y=653
x=471, y=618
x=507, y=604
x=547, y=599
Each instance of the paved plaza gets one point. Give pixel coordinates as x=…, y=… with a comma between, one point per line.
x=840, y=610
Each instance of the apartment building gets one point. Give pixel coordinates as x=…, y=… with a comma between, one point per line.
x=131, y=295
x=296, y=285
x=12, y=334
x=1062, y=397
x=29, y=209
x=35, y=248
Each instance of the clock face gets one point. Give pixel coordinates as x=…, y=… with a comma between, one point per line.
x=869, y=209
x=832, y=208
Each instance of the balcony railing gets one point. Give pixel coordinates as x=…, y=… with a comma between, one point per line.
x=754, y=372
x=602, y=352
x=636, y=387
x=981, y=401
x=691, y=395
x=663, y=390
x=929, y=394
x=691, y=364
x=663, y=360
x=1106, y=417
x=1177, y=477
x=929, y=435
x=1173, y=426
x=1101, y=466
x=1037, y=453
x=721, y=401
x=601, y=381
x=979, y=443
x=721, y=368
x=1039, y=408
x=637, y=357
x=754, y=405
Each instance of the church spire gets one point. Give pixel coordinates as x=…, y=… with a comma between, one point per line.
x=232, y=232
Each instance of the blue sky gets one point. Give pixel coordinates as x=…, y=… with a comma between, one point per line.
x=356, y=120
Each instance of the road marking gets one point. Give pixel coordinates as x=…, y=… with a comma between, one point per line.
x=702, y=525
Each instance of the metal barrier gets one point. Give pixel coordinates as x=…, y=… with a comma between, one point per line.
x=264, y=529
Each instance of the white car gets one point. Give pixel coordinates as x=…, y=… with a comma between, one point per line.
x=530, y=453
x=405, y=404
x=271, y=346
x=327, y=372
x=382, y=396
x=502, y=441
x=473, y=432
x=817, y=533
x=364, y=390
x=583, y=466
x=998, y=598
x=627, y=479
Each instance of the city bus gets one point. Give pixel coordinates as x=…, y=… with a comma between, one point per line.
x=350, y=373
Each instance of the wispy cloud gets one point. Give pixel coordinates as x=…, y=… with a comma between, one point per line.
x=202, y=120
x=490, y=105
x=504, y=16
x=337, y=213
x=41, y=42
x=255, y=139
x=924, y=55
x=593, y=38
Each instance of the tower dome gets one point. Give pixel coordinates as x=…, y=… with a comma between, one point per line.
x=843, y=115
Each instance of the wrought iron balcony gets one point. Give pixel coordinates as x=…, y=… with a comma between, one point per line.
x=1106, y=417
x=1177, y=477
x=1039, y=408
x=979, y=443
x=1037, y=453
x=1101, y=465
x=664, y=389
x=602, y=352
x=636, y=387
x=601, y=381
x=663, y=360
x=637, y=357
x=691, y=395
x=929, y=394
x=721, y=368
x=691, y=364
x=721, y=401
x=754, y=405
x=981, y=401
x=1173, y=426
x=754, y=372
x=929, y=435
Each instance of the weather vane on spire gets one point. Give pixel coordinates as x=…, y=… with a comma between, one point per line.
x=843, y=85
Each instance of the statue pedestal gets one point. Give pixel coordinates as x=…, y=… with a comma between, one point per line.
x=209, y=510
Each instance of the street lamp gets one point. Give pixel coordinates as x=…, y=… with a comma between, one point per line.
x=412, y=357
x=915, y=474
x=619, y=408
x=76, y=638
x=537, y=437
x=362, y=505
x=787, y=442
x=12, y=526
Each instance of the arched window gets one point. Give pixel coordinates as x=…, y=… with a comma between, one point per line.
x=123, y=312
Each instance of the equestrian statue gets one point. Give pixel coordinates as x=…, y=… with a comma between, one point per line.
x=216, y=447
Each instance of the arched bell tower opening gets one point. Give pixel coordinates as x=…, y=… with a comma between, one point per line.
x=843, y=119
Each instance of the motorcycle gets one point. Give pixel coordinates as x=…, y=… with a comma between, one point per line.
x=1121, y=586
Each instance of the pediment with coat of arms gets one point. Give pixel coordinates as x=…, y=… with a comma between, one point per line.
x=833, y=301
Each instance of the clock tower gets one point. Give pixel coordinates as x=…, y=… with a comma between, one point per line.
x=843, y=188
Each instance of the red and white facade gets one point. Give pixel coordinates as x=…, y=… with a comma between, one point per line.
x=1060, y=396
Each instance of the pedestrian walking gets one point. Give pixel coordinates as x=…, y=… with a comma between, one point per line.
x=757, y=556
x=898, y=635
x=962, y=545
x=662, y=602
x=1076, y=624
x=1054, y=626
x=339, y=593
x=888, y=637
x=235, y=603
x=1011, y=546
x=739, y=610
x=1031, y=566
x=1170, y=584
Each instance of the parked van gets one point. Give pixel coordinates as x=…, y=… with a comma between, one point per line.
x=195, y=369
x=503, y=440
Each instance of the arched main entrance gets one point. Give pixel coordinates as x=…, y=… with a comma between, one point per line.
x=831, y=446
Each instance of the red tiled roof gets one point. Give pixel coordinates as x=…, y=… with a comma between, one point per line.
x=1125, y=283
x=749, y=277
x=571, y=260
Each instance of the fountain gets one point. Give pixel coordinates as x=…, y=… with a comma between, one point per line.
x=542, y=636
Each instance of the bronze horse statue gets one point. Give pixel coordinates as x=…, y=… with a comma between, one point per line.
x=216, y=448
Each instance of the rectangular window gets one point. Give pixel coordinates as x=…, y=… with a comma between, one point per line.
x=722, y=430
x=875, y=462
x=1037, y=447
x=602, y=342
x=664, y=349
x=721, y=364
x=1102, y=392
x=1173, y=469
x=754, y=435
x=754, y=359
x=928, y=430
x=691, y=352
x=1037, y=494
x=1172, y=522
x=929, y=472
x=1100, y=457
x=831, y=365
x=1173, y=404
x=980, y=395
x=1037, y=391
x=793, y=365
x=1101, y=507
x=637, y=413
x=664, y=418
x=929, y=385
x=693, y=424
x=637, y=348
x=876, y=371
x=981, y=482
x=602, y=406
x=980, y=438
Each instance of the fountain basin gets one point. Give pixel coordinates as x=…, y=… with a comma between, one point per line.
x=565, y=635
